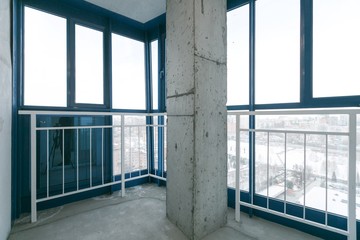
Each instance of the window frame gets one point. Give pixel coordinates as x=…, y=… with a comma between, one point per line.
x=306, y=101
x=88, y=16
x=147, y=75
x=72, y=59
x=306, y=61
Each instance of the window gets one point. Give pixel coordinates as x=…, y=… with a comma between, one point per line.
x=154, y=76
x=277, y=66
x=45, y=79
x=89, y=82
x=336, y=48
x=238, y=56
x=128, y=76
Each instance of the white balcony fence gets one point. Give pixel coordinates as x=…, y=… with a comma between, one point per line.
x=301, y=157
x=126, y=136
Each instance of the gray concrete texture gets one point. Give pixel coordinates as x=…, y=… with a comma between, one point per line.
x=196, y=107
x=5, y=118
x=139, y=215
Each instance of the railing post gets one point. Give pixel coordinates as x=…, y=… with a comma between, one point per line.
x=237, y=172
x=352, y=178
x=122, y=155
x=33, y=166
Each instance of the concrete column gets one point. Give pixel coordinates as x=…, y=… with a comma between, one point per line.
x=196, y=106
x=5, y=119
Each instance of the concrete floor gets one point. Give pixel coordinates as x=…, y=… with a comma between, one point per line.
x=139, y=215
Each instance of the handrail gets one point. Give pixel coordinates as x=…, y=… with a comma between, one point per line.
x=85, y=113
x=350, y=133
x=297, y=112
x=33, y=155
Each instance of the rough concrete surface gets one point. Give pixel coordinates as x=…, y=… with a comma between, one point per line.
x=196, y=105
x=5, y=118
x=139, y=215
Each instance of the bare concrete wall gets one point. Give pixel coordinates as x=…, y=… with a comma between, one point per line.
x=196, y=108
x=5, y=119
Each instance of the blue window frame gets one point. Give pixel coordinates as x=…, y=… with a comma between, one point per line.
x=311, y=79
x=72, y=16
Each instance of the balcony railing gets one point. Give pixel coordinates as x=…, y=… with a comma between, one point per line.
x=294, y=163
x=301, y=159
x=67, y=159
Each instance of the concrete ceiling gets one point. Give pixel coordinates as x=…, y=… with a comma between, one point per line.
x=139, y=10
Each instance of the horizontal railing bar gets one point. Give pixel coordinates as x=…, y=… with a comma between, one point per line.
x=78, y=191
x=158, y=177
x=137, y=177
x=319, y=225
x=297, y=112
x=88, y=189
x=78, y=113
x=294, y=131
x=95, y=127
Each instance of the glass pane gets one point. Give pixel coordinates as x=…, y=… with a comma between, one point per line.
x=315, y=196
x=231, y=144
x=261, y=156
x=116, y=145
x=244, y=160
x=336, y=48
x=338, y=158
x=295, y=168
x=154, y=72
x=238, y=56
x=44, y=59
x=135, y=143
x=244, y=152
x=89, y=83
x=277, y=51
x=128, y=76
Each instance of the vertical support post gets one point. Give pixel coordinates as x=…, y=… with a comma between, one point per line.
x=63, y=161
x=122, y=156
x=252, y=6
x=77, y=159
x=90, y=159
x=326, y=180
x=33, y=166
x=304, y=209
x=130, y=152
x=285, y=180
x=267, y=169
x=237, y=177
x=102, y=155
x=47, y=163
x=352, y=178
x=139, y=153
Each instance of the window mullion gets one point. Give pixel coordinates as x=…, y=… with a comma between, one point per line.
x=306, y=85
x=70, y=63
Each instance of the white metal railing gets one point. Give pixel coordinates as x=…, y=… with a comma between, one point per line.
x=350, y=134
x=123, y=127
